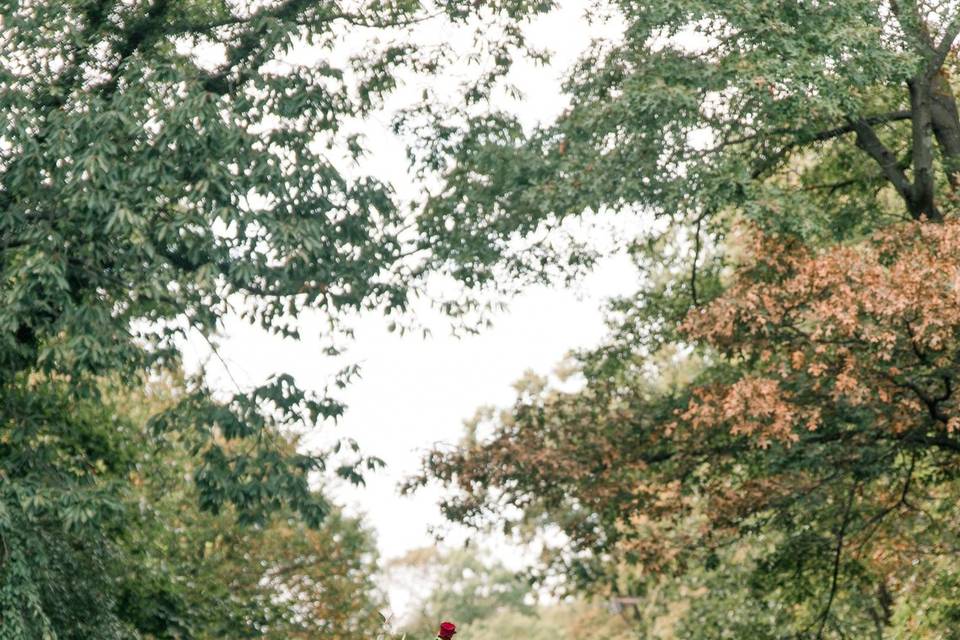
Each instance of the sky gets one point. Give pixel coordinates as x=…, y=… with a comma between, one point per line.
x=414, y=393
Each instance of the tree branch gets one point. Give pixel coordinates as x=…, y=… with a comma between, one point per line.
x=250, y=47
x=941, y=51
x=836, y=561
x=820, y=136
x=912, y=23
x=137, y=34
x=868, y=141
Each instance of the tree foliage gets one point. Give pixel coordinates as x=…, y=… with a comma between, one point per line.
x=165, y=165
x=768, y=438
x=489, y=600
x=220, y=575
x=62, y=508
x=103, y=536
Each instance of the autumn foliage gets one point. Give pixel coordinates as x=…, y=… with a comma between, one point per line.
x=871, y=327
x=818, y=415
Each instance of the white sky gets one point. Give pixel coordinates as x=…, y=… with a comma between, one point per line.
x=417, y=392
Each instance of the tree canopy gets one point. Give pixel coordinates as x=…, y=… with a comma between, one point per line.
x=768, y=436
x=165, y=166
x=489, y=600
x=104, y=536
x=767, y=441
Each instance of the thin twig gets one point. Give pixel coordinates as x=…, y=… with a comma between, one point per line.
x=838, y=554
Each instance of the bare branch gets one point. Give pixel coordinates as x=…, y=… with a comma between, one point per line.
x=825, y=614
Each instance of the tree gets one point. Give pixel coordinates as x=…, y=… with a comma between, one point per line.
x=490, y=601
x=103, y=536
x=775, y=407
x=62, y=508
x=165, y=165
x=207, y=575
x=458, y=584
x=794, y=116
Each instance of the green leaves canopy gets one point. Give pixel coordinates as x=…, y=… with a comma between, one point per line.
x=796, y=115
x=103, y=536
x=164, y=164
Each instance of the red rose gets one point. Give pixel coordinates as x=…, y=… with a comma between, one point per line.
x=447, y=629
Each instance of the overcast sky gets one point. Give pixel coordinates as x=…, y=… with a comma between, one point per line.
x=416, y=392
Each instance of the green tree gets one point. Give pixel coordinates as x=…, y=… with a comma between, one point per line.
x=567, y=621
x=458, y=585
x=62, y=508
x=206, y=575
x=103, y=536
x=820, y=120
x=165, y=165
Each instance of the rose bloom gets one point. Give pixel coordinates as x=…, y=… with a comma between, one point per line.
x=447, y=629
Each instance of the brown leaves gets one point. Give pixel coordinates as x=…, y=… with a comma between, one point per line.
x=752, y=406
x=874, y=325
